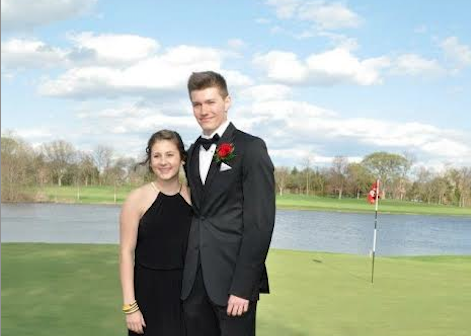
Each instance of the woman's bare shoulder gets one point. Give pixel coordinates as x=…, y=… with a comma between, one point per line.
x=140, y=197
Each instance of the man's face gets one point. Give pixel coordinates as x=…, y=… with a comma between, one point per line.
x=210, y=108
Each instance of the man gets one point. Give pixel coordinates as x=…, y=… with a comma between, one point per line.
x=233, y=193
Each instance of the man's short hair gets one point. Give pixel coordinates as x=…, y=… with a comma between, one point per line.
x=207, y=79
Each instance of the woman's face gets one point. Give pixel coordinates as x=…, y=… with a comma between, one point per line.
x=165, y=159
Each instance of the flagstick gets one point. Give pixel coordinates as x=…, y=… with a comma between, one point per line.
x=374, y=233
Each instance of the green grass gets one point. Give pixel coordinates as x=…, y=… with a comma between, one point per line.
x=105, y=195
x=73, y=290
x=90, y=194
x=303, y=202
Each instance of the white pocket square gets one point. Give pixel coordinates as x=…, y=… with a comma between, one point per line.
x=224, y=167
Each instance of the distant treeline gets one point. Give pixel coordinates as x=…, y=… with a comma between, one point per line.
x=59, y=163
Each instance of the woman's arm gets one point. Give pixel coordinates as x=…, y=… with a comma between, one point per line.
x=129, y=224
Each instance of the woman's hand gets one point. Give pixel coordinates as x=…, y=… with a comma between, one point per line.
x=135, y=322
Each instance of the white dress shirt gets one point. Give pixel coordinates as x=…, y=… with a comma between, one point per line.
x=206, y=156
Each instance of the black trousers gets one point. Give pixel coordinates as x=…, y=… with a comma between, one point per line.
x=205, y=318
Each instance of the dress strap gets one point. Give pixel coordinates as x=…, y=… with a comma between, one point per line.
x=153, y=186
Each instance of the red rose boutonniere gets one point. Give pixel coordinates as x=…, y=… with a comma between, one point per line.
x=224, y=152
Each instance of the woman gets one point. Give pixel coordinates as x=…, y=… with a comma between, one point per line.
x=154, y=225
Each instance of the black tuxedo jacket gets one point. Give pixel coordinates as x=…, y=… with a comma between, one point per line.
x=234, y=214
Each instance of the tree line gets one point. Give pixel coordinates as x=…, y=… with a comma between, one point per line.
x=59, y=163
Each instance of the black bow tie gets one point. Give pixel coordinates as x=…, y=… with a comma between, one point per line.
x=206, y=143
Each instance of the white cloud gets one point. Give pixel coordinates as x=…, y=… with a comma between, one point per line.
x=448, y=148
x=282, y=66
x=416, y=65
x=269, y=112
x=163, y=72
x=328, y=15
x=323, y=14
x=108, y=65
x=27, y=14
x=91, y=49
x=134, y=118
x=130, y=124
x=335, y=66
x=282, y=122
x=459, y=54
x=340, y=40
x=266, y=92
x=279, y=30
x=36, y=133
x=339, y=65
x=296, y=156
x=236, y=43
x=114, y=48
x=23, y=54
x=285, y=9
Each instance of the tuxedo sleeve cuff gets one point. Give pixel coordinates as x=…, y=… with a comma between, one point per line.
x=246, y=283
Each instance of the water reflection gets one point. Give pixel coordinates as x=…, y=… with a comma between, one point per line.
x=298, y=230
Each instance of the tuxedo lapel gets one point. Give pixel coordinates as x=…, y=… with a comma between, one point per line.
x=228, y=136
x=188, y=163
x=193, y=175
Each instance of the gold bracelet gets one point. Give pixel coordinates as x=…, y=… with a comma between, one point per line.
x=127, y=307
x=135, y=309
x=130, y=308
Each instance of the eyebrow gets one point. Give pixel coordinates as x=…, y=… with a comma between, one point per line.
x=204, y=101
x=167, y=152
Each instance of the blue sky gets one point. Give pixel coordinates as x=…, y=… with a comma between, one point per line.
x=315, y=79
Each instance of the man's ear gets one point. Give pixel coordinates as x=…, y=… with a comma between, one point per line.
x=227, y=103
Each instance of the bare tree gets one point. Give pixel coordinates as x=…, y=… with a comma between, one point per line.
x=338, y=174
x=402, y=178
x=60, y=155
x=319, y=180
x=307, y=164
x=102, y=156
x=425, y=186
x=16, y=158
x=281, y=177
x=87, y=169
x=464, y=186
x=439, y=186
x=42, y=173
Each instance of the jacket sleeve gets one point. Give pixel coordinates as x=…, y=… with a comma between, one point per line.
x=258, y=216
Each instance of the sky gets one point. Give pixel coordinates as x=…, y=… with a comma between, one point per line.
x=314, y=79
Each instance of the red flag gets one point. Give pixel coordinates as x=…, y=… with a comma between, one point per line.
x=372, y=194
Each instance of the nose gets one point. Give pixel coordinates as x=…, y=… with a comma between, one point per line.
x=162, y=161
x=204, y=109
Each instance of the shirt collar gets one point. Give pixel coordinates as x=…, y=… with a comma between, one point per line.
x=220, y=131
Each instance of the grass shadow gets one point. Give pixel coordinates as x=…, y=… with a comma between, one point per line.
x=342, y=270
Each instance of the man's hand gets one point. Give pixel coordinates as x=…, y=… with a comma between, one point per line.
x=236, y=306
